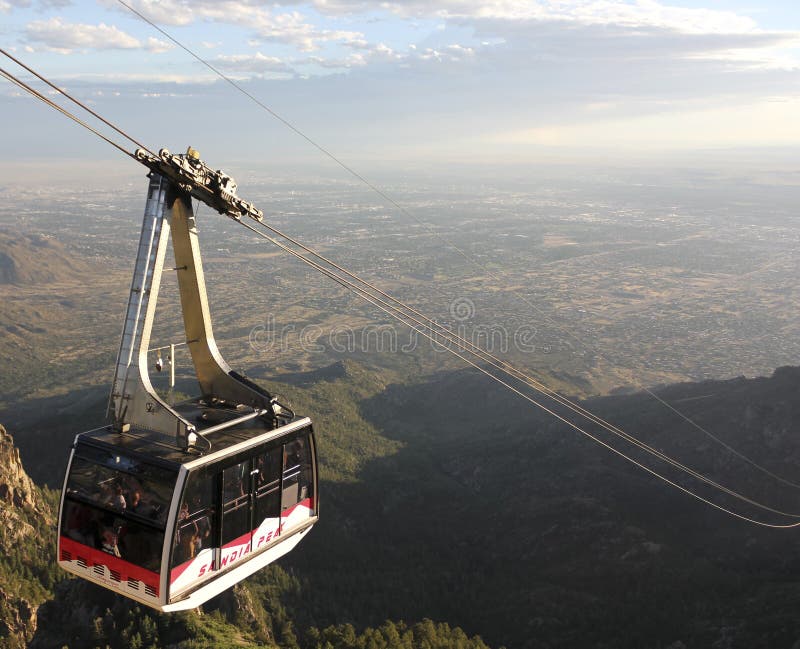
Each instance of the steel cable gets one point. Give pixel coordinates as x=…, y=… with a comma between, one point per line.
x=469, y=258
x=377, y=303
x=469, y=347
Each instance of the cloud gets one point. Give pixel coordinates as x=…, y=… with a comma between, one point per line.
x=293, y=29
x=264, y=23
x=168, y=12
x=98, y=81
x=158, y=46
x=640, y=13
x=709, y=33
x=254, y=63
x=367, y=54
x=7, y=5
x=64, y=37
x=258, y=64
x=652, y=20
x=452, y=53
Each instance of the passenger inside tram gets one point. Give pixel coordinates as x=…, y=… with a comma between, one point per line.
x=186, y=543
x=109, y=543
x=118, y=499
x=135, y=502
x=121, y=537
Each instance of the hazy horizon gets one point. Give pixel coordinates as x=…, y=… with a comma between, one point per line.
x=408, y=83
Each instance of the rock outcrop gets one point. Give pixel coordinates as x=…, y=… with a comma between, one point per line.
x=24, y=519
x=16, y=488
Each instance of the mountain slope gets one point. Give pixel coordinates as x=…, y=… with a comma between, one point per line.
x=55, y=316
x=27, y=260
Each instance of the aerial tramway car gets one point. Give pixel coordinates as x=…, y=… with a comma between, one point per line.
x=172, y=504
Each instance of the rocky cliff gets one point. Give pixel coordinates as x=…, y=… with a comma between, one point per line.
x=17, y=490
x=26, y=522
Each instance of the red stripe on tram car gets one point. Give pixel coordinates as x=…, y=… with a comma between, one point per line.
x=308, y=502
x=207, y=567
x=177, y=571
x=240, y=540
x=94, y=557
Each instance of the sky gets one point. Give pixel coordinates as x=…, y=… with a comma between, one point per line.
x=433, y=81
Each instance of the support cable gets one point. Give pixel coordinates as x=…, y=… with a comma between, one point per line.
x=469, y=258
x=468, y=346
x=377, y=303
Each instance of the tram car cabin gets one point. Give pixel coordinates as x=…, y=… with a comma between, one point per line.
x=170, y=504
x=172, y=529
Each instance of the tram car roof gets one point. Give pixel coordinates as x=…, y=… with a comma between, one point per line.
x=215, y=445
